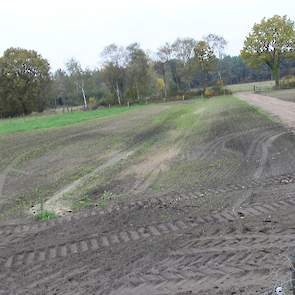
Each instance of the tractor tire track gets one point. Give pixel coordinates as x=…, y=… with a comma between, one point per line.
x=255, y=210
x=144, y=233
x=264, y=157
x=94, y=243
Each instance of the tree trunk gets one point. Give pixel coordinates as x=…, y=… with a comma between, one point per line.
x=165, y=91
x=276, y=75
x=118, y=93
x=137, y=91
x=165, y=87
x=165, y=84
x=84, y=98
x=219, y=76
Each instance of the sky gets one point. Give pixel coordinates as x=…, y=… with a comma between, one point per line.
x=61, y=29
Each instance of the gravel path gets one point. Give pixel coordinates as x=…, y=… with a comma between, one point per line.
x=284, y=110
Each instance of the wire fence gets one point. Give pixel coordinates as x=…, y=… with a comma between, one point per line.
x=262, y=88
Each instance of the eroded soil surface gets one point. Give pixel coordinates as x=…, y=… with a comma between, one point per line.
x=212, y=212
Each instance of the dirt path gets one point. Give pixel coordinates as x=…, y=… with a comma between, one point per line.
x=284, y=110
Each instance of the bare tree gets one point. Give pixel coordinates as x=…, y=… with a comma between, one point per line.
x=183, y=50
x=218, y=44
x=115, y=60
x=76, y=73
x=164, y=55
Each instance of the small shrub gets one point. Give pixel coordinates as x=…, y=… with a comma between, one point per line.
x=46, y=215
x=209, y=92
x=92, y=103
x=192, y=94
x=219, y=89
x=106, y=101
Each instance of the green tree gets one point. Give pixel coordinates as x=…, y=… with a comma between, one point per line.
x=269, y=42
x=138, y=71
x=160, y=86
x=24, y=82
x=205, y=59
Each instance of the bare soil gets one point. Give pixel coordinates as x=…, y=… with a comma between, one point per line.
x=282, y=109
x=212, y=212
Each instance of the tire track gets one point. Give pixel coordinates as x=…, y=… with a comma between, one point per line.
x=147, y=232
x=213, y=146
x=189, y=278
x=29, y=257
x=219, y=266
x=264, y=135
x=225, y=216
x=264, y=157
x=4, y=175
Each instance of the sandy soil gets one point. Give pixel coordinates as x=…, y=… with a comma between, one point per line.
x=284, y=110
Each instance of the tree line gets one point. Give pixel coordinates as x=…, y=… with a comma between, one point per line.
x=131, y=74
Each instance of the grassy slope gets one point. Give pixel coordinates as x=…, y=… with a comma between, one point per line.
x=243, y=87
x=58, y=120
x=284, y=94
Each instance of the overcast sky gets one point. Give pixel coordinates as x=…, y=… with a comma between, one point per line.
x=60, y=29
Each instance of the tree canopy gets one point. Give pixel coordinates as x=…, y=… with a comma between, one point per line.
x=205, y=59
x=130, y=74
x=24, y=82
x=269, y=42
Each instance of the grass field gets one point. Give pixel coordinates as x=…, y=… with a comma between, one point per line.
x=57, y=120
x=245, y=87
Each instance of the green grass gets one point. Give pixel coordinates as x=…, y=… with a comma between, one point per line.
x=57, y=120
x=195, y=116
x=250, y=86
x=46, y=215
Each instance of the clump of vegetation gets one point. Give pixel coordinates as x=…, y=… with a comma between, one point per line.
x=216, y=90
x=46, y=215
x=105, y=198
x=84, y=202
x=209, y=92
x=287, y=82
x=92, y=103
